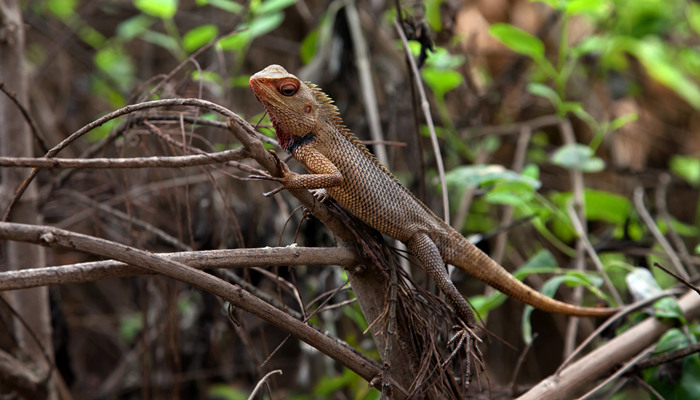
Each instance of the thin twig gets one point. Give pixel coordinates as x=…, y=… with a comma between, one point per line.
x=364, y=71
x=116, y=114
x=592, y=254
x=131, y=162
x=262, y=381
x=649, y=221
x=425, y=106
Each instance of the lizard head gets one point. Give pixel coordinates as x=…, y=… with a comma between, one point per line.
x=291, y=103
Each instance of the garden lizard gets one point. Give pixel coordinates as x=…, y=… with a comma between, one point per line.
x=308, y=126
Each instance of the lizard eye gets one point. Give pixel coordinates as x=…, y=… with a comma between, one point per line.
x=288, y=89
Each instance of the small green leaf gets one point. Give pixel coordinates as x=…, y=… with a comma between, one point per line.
x=653, y=54
x=433, y=14
x=545, y=91
x=578, y=157
x=477, y=175
x=225, y=392
x=114, y=61
x=160, y=39
x=606, y=206
x=619, y=122
x=134, y=26
x=198, y=37
x=307, y=50
x=265, y=23
x=668, y=308
x=542, y=262
x=518, y=40
x=273, y=6
x=441, y=81
x=686, y=167
x=226, y=5
x=62, y=8
x=157, y=8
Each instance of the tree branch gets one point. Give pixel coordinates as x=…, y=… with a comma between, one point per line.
x=58, y=238
x=236, y=258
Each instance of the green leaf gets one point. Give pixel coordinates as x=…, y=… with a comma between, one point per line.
x=441, y=81
x=198, y=37
x=518, y=40
x=653, y=54
x=273, y=6
x=115, y=62
x=226, y=5
x=308, y=47
x=593, y=8
x=483, y=304
x=157, y=8
x=606, y=206
x=619, y=122
x=545, y=91
x=686, y=167
x=512, y=193
x=477, y=175
x=668, y=308
x=265, y=23
x=225, y=392
x=433, y=15
x=542, y=262
x=62, y=8
x=130, y=325
x=134, y=26
x=578, y=157
x=160, y=39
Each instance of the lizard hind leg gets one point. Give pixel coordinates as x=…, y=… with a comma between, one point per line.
x=425, y=250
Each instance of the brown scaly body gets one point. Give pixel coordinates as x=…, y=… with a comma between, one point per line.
x=308, y=126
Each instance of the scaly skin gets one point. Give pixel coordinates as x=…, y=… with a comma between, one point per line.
x=308, y=126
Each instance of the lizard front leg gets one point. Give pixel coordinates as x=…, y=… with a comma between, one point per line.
x=324, y=173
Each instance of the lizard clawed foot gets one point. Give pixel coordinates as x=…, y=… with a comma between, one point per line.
x=284, y=170
x=269, y=178
x=465, y=339
x=320, y=194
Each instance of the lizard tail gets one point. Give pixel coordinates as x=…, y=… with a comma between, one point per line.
x=473, y=261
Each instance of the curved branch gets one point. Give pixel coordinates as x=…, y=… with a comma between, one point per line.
x=53, y=237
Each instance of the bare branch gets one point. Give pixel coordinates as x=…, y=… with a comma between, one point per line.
x=236, y=258
x=575, y=379
x=234, y=294
x=133, y=162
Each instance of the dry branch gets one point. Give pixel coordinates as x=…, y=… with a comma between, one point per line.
x=575, y=379
x=235, y=258
x=58, y=238
x=134, y=162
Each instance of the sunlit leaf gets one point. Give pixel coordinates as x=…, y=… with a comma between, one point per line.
x=62, y=8
x=545, y=91
x=134, y=26
x=226, y=5
x=686, y=167
x=441, y=81
x=157, y=8
x=518, y=40
x=198, y=37
x=273, y=6
x=579, y=157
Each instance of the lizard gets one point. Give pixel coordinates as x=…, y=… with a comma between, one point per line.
x=308, y=126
